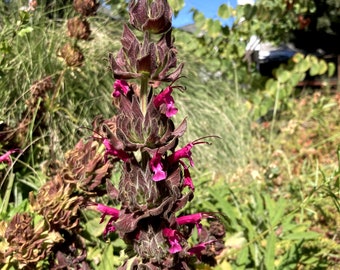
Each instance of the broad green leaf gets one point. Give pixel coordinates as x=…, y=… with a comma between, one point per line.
x=298, y=57
x=271, y=86
x=283, y=76
x=315, y=69
x=214, y=28
x=322, y=67
x=302, y=66
x=94, y=228
x=199, y=19
x=107, y=262
x=295, y=78
x=225, y=11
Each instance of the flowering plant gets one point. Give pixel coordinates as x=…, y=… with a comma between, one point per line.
x=155, y=183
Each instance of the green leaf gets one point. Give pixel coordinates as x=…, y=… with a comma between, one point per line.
x=331, y=69
x=249, y=11
x=271, y=86
x=106, y=262
x=224, y=206
x=314, y=63
x=236, y=240
x=25, y=31
x=277, y=213
x=269, y=257
x=298, y=57
x=314, y=70
x=283, y=76
x=199, y=19
x=322, y=67
x=251, y=235
x=214, y=28
x=295, y=78
x=302, y=235
x=93, y=227
x=176, y=5
x=302, y=66
x=225, y=11
x=242, y=258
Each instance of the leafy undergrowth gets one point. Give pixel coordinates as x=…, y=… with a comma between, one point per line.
x=281, y=211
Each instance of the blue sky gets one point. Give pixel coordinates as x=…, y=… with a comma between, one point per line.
x=208, y=7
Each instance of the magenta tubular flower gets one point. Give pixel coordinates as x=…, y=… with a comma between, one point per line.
x=7, y=156
x=165, y=97
x=157, y=167
x=111, y=150
x=120, y=87
x=174, y=238
x=187, y=182
x=113, y=212
x=184, y=152
x=197, y=249
x=192, y=219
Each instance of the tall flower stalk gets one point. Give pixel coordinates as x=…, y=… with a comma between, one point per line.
x=155, y=180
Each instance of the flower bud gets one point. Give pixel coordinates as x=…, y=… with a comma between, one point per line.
x=86, y=7
x=154, y=16
x=72, y=55
x=78, y=28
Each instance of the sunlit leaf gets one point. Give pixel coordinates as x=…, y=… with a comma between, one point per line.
x=302, y=235
x=214, y=28
x=331, y=69
x=271, y=86
x=225, y=11
x=297, y=57
x=283, y=76
x=107, y=262
x=314, y=70
x=295, y=78
x=25, y=31
x=176, y=5
x=322, y=67
x=236, y=240
x=242, y=258
x=269, y=257
x=199, y=19
x=303, y=65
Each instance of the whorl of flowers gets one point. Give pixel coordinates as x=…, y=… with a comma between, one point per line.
x=155, y=182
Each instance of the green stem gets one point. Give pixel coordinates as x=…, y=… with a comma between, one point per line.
x=5, y=200
x=276, y=107
x=57, y=87
x=144, y=92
